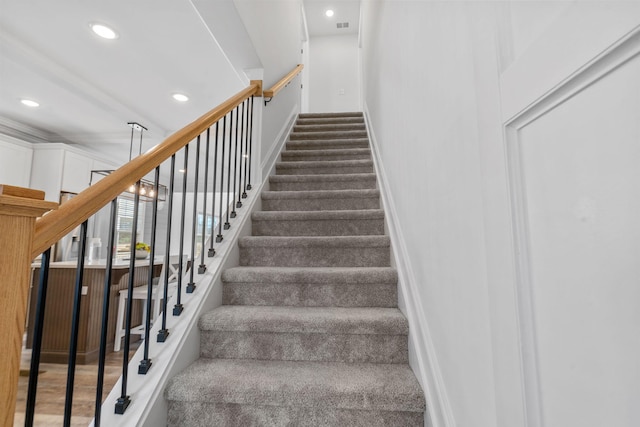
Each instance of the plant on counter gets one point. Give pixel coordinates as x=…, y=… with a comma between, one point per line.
x=142, y=247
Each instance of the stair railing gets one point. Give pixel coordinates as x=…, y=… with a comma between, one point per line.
x=281, y=84
x=222, y=139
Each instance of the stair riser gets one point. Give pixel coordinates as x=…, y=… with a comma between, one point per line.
x=345, y=348
x=327, y=145
x=316, y=204
x=360, y=184
x=346, y=227
x=298, y=256
x=295, y=136
x=295, y=156
x=206, y=414
x=310, y=295
x=325, y=170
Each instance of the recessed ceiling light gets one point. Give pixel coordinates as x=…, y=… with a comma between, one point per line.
x=29, y=103
x=329, y=13
x=104, y=31
x=180, y=97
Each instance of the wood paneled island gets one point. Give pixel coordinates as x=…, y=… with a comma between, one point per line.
x=59, y=307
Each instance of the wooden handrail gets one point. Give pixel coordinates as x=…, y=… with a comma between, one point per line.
x=273, y=90
x=52, y=227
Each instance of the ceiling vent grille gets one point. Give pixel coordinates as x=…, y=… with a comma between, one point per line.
x=342, y=25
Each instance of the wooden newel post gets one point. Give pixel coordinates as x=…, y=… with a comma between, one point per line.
x=19, y=208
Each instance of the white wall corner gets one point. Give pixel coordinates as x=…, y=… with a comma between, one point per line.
x=422, y=355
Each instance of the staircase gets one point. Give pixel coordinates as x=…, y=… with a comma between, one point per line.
x=309, y=333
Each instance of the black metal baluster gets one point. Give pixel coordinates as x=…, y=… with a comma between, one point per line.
x=227, y=225
x=177, y=308
x=123, y=401
x=241, y=142
x=202, y=268
x=145, y=363
x=163, y=333
x=75, y=326
x=224, y=134
x=212, y=251
x=250, y=142
x=191, y=286
x=36, y=346
x=105, y=312
x=235, y=166
x=246, y=149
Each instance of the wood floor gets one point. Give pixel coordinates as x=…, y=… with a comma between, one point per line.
x=52, y=384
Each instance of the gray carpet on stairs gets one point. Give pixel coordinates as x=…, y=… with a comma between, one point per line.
x=309, y=333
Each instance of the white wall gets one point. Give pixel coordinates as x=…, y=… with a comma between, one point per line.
x=492, y=344
x=418, y=62
x=334, y=84
x=275, y=28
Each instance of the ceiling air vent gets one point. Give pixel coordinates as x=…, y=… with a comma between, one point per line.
x=342, y=25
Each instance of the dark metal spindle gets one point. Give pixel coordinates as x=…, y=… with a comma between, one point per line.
x=105, y=312
x=163, y=333
x=123, y=401
x=240, y=186
x=37, y=338
x=227, y=225
x=145, y=363
x=224, y=134
x=250, y=142
x=235, y=167
x=212, y=251
x=75, y=326
x=202, y=268
x=191, y=286
x=246, y=149
x=177, y=308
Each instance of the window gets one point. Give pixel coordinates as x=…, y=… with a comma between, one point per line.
x=124, y=226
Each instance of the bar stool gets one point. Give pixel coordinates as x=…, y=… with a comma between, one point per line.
x=140, y=293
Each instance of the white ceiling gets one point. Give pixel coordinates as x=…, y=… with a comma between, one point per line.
x=89, y=88
x=318, y=24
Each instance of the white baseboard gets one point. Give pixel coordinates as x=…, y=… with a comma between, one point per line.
x=422, y=356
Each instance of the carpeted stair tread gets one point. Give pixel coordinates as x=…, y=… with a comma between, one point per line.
x=311, y=286
x=319, y=194
x=320, y=200
x=317, y=320
x=351, y=181
x=328, y=334
x=315, y=241
x=311, y=275
x=321, y=144
x=364, y=386
x=325, y=120
x=315, y=251
x=324, y=167
x=339, y=134
x=318, y=223
x=328, y=127
x=330, y=115
x=317, y=215
x=331, y=154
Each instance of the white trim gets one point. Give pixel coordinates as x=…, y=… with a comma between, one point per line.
x=425, y=363
x=607, y=61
